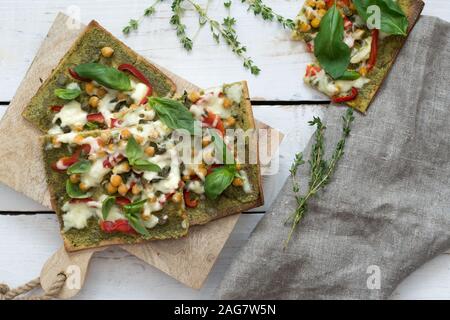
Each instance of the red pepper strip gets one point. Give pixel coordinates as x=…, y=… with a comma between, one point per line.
x=115, y=123
x=111, y=161
x=76, y=76
x=120, y=225
x=96, y=117
x=373, y=50
x=80, y=200
x=122, y=201
x=214, y=121
x=350, y=97
x=86, y=148
x=347, y=23
x=66, y=162
x=135, y=72
x=56, y=108
x=312, y=70
x=188, y=201
x=309, y=47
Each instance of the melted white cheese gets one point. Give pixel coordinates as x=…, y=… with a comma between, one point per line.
x=151, y=222
x=196, y=186
x=213, y=101
x=346, y=85
x=246, y=186
x=132, y=117
x=170, y=184
x=95, y=175
x=139, y=92
x=197, y=111
x=55, y=130
x=76, y=215
x=73, y=86
x=323, y=83
x=105, y=106
x=363, y=53
x=71, y=114
x=234, y=92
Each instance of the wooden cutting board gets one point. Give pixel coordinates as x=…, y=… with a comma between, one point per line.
x=188, y=260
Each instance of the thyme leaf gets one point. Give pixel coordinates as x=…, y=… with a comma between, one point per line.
x=259, y=8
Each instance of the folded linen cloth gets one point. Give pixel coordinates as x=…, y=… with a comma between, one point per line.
x=386, y=210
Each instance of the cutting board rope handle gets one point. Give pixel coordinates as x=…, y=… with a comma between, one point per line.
x=55, y=288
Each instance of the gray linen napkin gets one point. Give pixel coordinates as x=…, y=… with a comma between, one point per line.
x=386, y=210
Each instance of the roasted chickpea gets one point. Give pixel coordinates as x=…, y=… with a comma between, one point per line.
x=93, y=101
x=83, y=186
x=107, y=52
x=125, y=133
x=139, y=139
x=227, y=103
x=116, y=180
x=90, y=88
x=111, y=189
x=193, y=96
x=315, y=23
x=135, y=190
x=123, y=189
x=177, y=197
x=237, y=182
x=230, y=121
x=74, y=178
x=149, y=151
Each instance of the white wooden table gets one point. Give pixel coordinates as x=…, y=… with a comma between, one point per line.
x=29, y=232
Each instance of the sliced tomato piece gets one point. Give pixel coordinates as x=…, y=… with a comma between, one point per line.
x=107, y=226
x=96, y=117
x=214, y=121
x=115, y=123
x=122, y=201
x=123, y=225
x=56, y=108
x=312, y=70
x=188, y=201
x=76, y=76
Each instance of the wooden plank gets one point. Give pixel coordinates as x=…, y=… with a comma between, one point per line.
x=115, y=274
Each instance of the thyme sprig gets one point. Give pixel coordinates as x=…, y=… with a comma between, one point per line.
x=180, y=28
x=133, y=24
x=220, y=30
x=259, y=8
x=226, y=31
x=321, y=169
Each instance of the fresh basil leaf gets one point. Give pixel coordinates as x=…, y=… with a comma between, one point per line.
x=144, y=165
x=217, y=181
x=74, y=191
x=67, y=94
x=81, y=166
x=349, y=75
x=104, y=75
x=222, y=152
x=329, y=48
x=133, y=150
x=107, y=205
x=135, y=207
x=393, y=19
x=137, y=225
x=174, y=114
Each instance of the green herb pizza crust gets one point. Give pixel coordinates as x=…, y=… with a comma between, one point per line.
x=233, y=200
x=92, y=236
x=87, y=49
x=387, y=53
